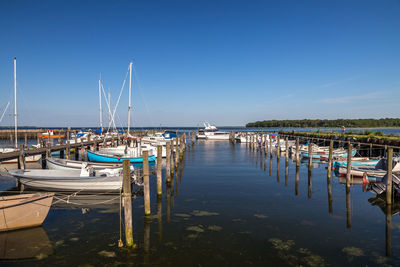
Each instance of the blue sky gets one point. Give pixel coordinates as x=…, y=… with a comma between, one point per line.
x=227, y=62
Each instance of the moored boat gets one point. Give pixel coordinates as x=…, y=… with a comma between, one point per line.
x=65, y=164
x=100, y=157
x=70, y=180
x=23, y=211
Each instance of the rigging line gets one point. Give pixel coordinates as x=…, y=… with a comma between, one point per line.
x=109, y=108
x=4, y=112
x=120, y=93
x=141, y=93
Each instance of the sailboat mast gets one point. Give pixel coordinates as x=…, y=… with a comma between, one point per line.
x=129, y=105
x=15, y=103
x=101, y=111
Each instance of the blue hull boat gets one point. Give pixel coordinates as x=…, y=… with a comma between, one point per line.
x=325, y=155
x=104, y=158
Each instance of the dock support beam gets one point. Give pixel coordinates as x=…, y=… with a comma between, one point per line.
x=389, y=176
x=127, y=201
x=146, y=183
x=168, y=162
x=348, y=175
x=330, y=158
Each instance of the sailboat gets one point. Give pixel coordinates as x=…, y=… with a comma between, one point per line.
x=7, y=150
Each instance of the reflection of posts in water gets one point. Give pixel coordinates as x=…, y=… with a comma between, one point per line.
x=176, y=182
x=296, y=188
x=388, y=230
x=261, y=159
x=146, y=239
x=277, y=169
x=348, y=207
x=168, y=191
x=286, y=172
x=270, y=165
x=181, y=170
x=309, y=184
x=159, y=217
x=328, y=181
x=172, y=189
x=265, y=163
x=127, y=201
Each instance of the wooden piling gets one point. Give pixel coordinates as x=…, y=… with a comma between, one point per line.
x=278, y=149
x=172, y=168
x=310, y=156
x=11, y=141
x=389, y=195
x=146, y=184
x=159, y=170
x=330, y=158
x=21, y=157
x=68, y=150
x=287, y=150
x=127, y=201
x=168, y=161
x=178, y=144
x=348, y=175
x=297, y=152
x=26, y=140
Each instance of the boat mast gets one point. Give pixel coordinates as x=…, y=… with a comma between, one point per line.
x=109, y=102
x=101, y=111
x=129, y=105
x=15, y=103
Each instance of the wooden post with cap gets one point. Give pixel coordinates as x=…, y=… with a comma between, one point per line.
x=159, y=170
x=146, y=183
x=127, y=201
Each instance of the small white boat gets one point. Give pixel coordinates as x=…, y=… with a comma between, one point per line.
x=218, y=136
x=66, y=164
x=86, y=179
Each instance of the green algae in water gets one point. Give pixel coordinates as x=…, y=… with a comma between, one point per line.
x=198, y=229
x=108, y=254
x=204, y=213
x=280, y=244
x=74, y=239
x=192, y=236
x=183, y=215
x=214, y=228
x=260, y=216
x=352, y=252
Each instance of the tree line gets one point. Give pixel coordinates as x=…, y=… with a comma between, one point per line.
x=355, y=123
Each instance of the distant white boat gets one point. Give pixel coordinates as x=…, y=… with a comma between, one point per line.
x=86, y=179
x=211, y=132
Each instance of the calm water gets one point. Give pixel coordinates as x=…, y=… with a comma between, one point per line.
x=229, y=206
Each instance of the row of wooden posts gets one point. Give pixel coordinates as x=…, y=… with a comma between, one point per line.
x=259, y=141
x=178, y=144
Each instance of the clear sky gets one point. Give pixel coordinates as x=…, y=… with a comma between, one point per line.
x=227, y=62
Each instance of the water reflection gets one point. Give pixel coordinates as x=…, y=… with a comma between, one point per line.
x=277, y=169
x=296, y=188
x=25, y=244
x=159, y=218
x=348, y=208
x=328, y=181
x=309, y=184
x=286, y=173
x=388, y=230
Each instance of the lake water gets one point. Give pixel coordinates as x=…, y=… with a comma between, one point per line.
x=228, y=206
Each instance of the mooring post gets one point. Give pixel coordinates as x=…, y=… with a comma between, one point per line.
x=178, y=144
x=193, y=136
x=21, y=157
x=68, y=150
x=287, y=150
x=389, y=176
x=172, y=157
x=168, y=162
x=278, y=150
x=297, y=152
x=38, y=138
x=348, y=175
x=270, y=147
x=310, y=156
x=11, y=141
x=26, y=140
x=159, y=170
x=330, y=158
x=146, y=184
x=127, y=201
